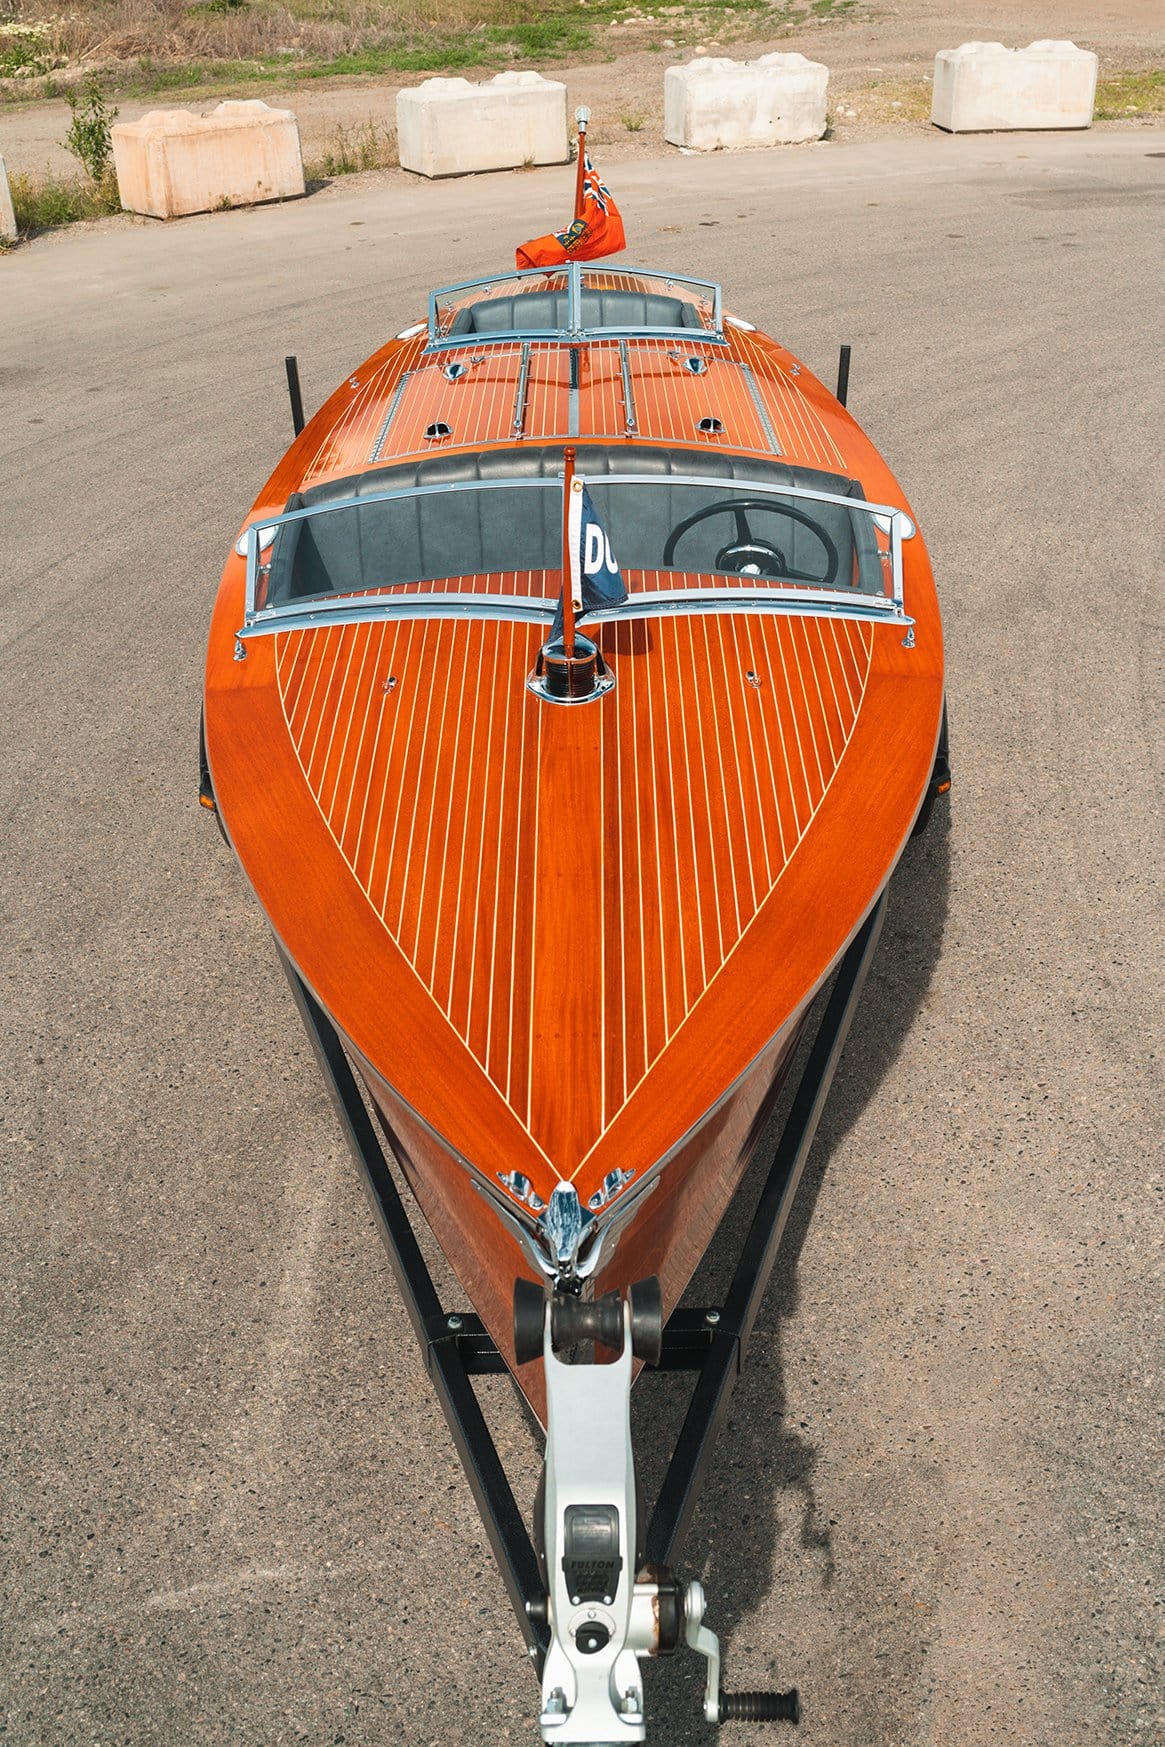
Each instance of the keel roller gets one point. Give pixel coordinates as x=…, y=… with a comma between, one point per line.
x=574, y=1320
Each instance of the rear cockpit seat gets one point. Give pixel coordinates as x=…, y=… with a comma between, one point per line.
x=450, y=533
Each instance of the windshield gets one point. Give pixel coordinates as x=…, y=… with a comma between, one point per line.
x=704, y=530
x=566, y=302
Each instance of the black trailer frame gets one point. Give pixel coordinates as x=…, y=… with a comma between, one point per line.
x=712, y=1342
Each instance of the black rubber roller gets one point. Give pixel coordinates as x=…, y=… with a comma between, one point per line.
x=647, y=1320
x=586, y=1319
x=529, y=1320
x=760, y=1707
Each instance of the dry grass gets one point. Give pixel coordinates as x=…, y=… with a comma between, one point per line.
x=899, y=100
x=885, y=102
x=138, y=47
x=352, y=149
x=102, y=32
x=129, y=40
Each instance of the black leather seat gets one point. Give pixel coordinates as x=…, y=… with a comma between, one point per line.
x=451, y=533
x=545, y=312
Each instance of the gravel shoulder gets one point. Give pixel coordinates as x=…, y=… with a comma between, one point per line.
x=876, y=61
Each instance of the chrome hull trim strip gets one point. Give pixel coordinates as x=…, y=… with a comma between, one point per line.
x=393, y=408
x=762, y=411
x=518, y=422
x=629, y=425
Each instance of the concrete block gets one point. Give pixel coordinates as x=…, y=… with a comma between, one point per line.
x=449, y=127
x=172, y=162
x=982, y=87
x=7, y=216
x=714, y=104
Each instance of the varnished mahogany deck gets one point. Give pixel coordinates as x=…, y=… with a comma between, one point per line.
x=692, y=799
x=565, y=941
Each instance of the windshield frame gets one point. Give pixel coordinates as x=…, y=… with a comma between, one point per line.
x=575, y=330
x=796, y=600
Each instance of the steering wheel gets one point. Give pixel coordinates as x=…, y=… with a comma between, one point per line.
x=748, y=556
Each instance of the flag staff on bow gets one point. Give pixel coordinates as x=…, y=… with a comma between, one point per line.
x=570, y=667
x=582, y=116
x=568, y=558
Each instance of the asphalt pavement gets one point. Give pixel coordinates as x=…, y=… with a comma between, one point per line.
x=229, y=1508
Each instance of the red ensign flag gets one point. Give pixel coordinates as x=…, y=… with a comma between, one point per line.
x=598, y=232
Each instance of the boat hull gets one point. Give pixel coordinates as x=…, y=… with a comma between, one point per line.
x=681, y=1201
x=573, y=944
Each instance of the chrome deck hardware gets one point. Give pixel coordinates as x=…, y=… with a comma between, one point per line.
x=573, y=676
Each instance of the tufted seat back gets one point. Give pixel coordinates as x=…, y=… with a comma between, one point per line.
x=453, y=533
x=546, y=312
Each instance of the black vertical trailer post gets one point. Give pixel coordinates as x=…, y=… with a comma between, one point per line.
x=291, y=365
x=843, y=374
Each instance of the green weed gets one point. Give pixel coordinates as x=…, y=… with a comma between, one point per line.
x=24, y=50
x=49, y=203
x=89, y=137
x=1120, y=95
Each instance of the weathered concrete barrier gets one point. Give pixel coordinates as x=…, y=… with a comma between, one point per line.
x=448, y=127
x=172, y=162
x=7, y=216
x=982, y=87
x=716, y=104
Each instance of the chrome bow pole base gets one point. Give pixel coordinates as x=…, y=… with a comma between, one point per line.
x=603, y=1608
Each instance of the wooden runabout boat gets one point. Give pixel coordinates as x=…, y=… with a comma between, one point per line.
x=572, y=691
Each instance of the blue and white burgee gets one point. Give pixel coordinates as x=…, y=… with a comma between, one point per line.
x=595, y=578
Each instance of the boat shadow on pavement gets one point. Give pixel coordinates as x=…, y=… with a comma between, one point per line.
x=760, y=1484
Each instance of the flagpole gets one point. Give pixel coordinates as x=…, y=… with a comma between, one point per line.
x=567, y=566
x=582, y=117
